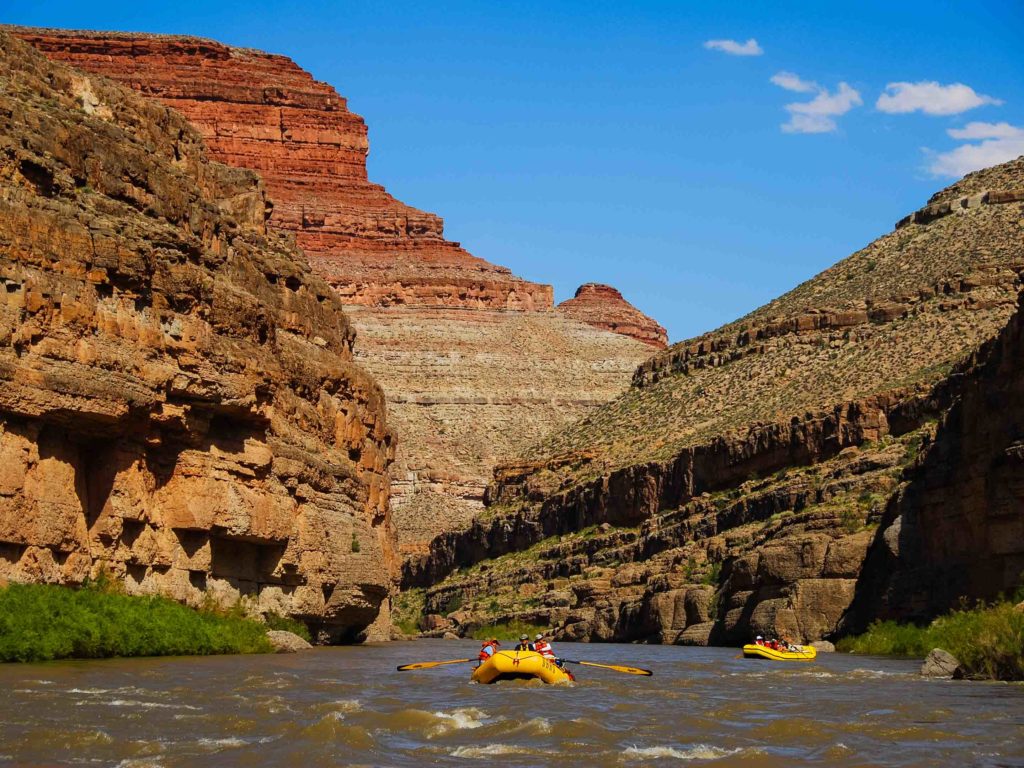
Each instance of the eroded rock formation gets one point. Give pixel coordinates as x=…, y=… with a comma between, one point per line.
x=603, y=307
x=261, y=111
x=178, y=401
x=738, y=485
x=468, y=382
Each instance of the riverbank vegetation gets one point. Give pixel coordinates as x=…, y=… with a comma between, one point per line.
x=41, y=622
x=507, y=630
x=988, y=640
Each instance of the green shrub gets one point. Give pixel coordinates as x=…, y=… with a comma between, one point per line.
x=40, y=622
x=507, y=630
x=988, y=640
x=288, y=624
x=713, y=574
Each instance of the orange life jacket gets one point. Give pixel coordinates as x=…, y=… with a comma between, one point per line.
x=544, y=649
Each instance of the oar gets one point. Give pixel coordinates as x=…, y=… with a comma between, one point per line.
x=430, y=664
x=616, y=667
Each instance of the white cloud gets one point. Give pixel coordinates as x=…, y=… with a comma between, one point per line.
x=985, y=131
x=931, y=98
x=792, y=82
x=733, y=48
x=997, y=143
x=817, y=115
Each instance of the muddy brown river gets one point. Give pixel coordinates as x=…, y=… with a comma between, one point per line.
x=348, y=706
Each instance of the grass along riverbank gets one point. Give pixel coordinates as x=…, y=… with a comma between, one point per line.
x=987, y=640
x=41, y=622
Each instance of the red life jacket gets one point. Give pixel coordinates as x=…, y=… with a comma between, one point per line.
x=484, y=655
x=544, y=649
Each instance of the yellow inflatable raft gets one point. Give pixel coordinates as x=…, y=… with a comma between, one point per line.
x=519, y=665
x=753, y=651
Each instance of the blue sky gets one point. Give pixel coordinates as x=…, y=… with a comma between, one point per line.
x=593, y=141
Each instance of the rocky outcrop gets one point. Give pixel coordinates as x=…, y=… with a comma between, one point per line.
x=263, y=112
x=468, y=382
x=748, y=472
x=603, y=307
x=179, y=405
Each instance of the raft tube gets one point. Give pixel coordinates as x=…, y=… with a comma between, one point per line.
x=754, y=651
x=519, y=665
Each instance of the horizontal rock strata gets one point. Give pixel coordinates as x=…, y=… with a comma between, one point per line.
x=833, y=392
x=468, y=382
x=603, y=307
x=467, y=389
x=179, y=406
x=263, y=112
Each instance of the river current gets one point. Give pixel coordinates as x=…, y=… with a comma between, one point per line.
x=348, y=706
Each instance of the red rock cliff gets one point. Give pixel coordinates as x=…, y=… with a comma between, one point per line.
x=263, y=112
x=603, y=307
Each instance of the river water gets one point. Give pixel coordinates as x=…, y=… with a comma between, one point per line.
x=348, y=706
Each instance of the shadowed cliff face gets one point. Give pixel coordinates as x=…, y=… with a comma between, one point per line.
x=178, y=401
x=957, y=530
x=738, y=485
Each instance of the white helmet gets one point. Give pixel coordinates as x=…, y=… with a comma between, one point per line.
x=539, y=636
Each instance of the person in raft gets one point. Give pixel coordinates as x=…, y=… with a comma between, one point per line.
x=487, y=649
x=524, y=643
x=543, y=647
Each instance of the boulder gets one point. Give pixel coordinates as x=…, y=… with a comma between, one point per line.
x=449, y=635
x=434, y=621
x=696, y=634
x=942, y=664
x=823, y=646
x=286, y=642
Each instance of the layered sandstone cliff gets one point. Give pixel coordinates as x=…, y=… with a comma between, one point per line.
x=469, y=389
x=178, y=401
x=738, y=485
x=261, y=111
x=469, y=383
x=603, y=307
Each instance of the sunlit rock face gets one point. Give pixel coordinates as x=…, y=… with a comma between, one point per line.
x=179, y=405
x=475, y=363
x=263, y=112
x=603, y=307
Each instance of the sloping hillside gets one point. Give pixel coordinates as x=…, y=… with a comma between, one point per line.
x=738, y=484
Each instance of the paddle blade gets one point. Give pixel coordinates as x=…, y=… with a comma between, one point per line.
x=430, y=664
x=614, y=667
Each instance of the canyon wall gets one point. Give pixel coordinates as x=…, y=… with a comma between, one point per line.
x=179, y=405
x=261, y=111
x=475, y=364
x=738, y=485
x=956, y=532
